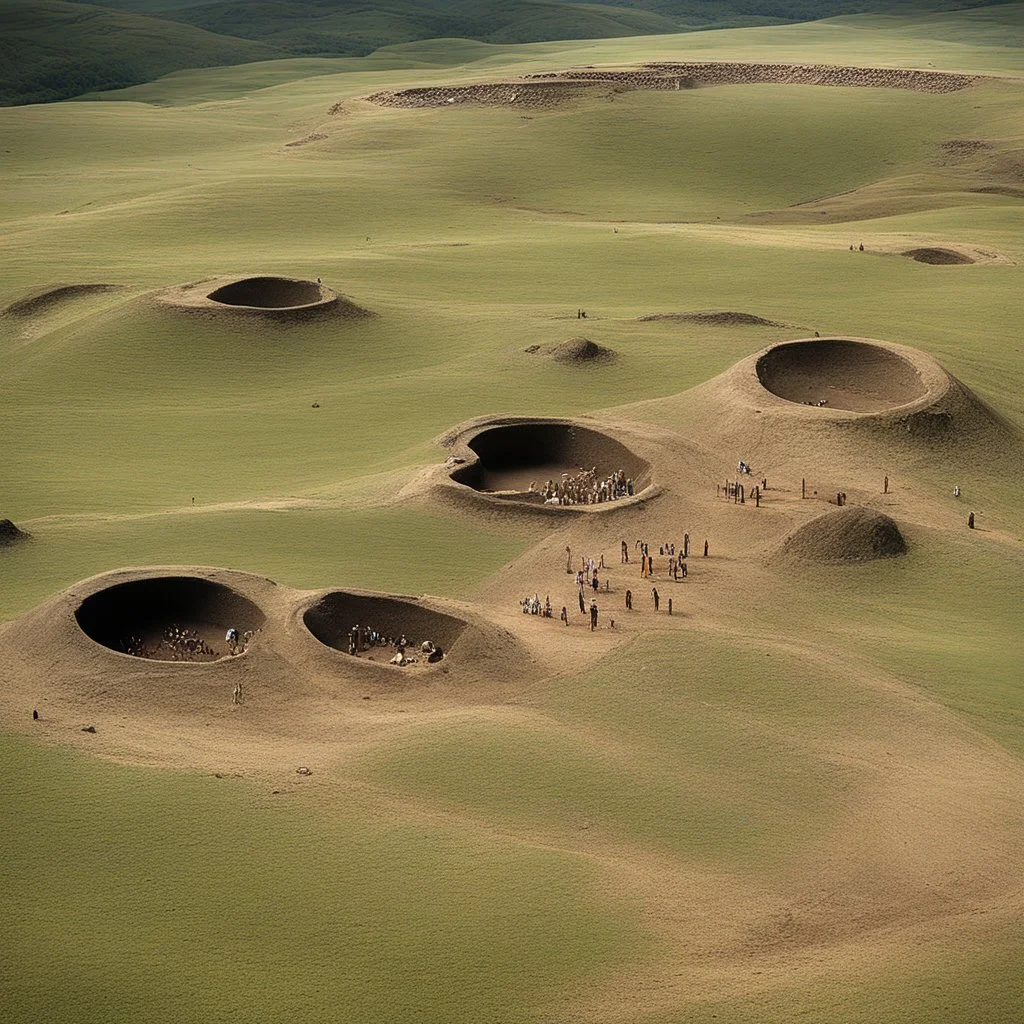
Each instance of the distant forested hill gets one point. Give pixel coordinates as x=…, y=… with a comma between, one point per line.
x=52, y=49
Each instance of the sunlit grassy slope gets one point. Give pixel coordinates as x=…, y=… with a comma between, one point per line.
x=473, y=234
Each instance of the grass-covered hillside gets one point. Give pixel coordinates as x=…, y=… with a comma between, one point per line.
x=51, y=49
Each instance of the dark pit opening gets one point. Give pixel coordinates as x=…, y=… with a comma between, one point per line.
x=512, y=457
x=170, y=618
x=835, y=373
x=269, y=293
x=372, y=627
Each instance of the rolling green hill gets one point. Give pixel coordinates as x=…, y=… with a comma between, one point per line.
x=53, y=50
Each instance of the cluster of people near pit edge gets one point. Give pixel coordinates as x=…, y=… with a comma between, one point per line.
x=584, y=488
x=363, y=638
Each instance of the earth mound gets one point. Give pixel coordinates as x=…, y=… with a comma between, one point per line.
x=513, y=456
x=168, y=618
x=280, y=298
x=373, y=623
x=575, y=351
x=10, y=534
x=938, y=257
x=713, y=318
x=551, y=89
x=849, y=534
x=43, y=302
x=838, y=373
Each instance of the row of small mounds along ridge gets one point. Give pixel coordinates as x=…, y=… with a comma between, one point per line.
x=552, y=88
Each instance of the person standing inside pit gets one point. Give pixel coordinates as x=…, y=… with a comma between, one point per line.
x=593, y=616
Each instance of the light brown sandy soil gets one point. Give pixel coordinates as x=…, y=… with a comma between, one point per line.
x=555, y=88
x=923, y=853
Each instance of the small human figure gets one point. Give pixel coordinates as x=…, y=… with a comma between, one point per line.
x=705, y=550
x=670, y=606
x=236, y=696
x=565, y=615
x=624, y=557
x=686, y=545
x=683, y=567
x=970, y=521
x=861, y=246
x=583, y=604
x=593, y=616
x=231, y=639
x=318, y=281
x=657, y=599
x=35, y=715
x=956, y=491
x=193, y=499
x=594, y=582
x=885, y=486
x=629, y=600
x=568, y=559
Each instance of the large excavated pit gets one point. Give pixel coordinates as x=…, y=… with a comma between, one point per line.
x=169, y=618
x=513, y=458
x=270, y=293
x=372, y=627
x=836, y=373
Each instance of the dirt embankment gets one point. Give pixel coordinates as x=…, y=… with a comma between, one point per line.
x=851, y=534
x=554, y=88
x=713, y=318
x=10, y=534
x=53, y=298
x=574, y=352
x=938, y=257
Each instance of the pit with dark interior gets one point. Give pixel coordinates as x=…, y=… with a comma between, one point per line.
x=269, y=293
x=333, y=620
x=169, y=618
x=512, y=456
x=837, y=373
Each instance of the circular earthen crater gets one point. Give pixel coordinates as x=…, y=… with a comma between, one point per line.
x=939, y=257
x=837, y=373
x=512, y=457
x=170, y=618
x=372, y=627
x=271, y=293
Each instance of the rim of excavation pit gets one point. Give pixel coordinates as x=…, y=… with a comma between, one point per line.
x=935, y=383
x=298, y=619
x=197, y=295
x=250, y=588
x=458, y=441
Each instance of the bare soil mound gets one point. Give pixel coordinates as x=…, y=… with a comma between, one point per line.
x=575, y=351
x=838, y=373
x=10, y=534
x=938, y=257
x=713, y=318
x=168, y=618
x=511, y=457
x=280, y=298
x=552, y=89
x=848, y=534
x=44, y=302
x=373, y=626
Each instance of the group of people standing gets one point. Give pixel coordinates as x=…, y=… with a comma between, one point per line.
x=585, y=488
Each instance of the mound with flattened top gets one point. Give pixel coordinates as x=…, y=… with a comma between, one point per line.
x=281, y=298
x=10, y=534
x=938, y=257
x=575, y=351
x=849, y=534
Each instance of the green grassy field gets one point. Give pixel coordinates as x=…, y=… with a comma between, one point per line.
x=532, y=862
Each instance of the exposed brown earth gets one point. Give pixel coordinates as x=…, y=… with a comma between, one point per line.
x=841, y=374
x=713, y=318
x=555, y=88
x=848, y=534
x=938, y=257
x=280, y=298
x=574, y=352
